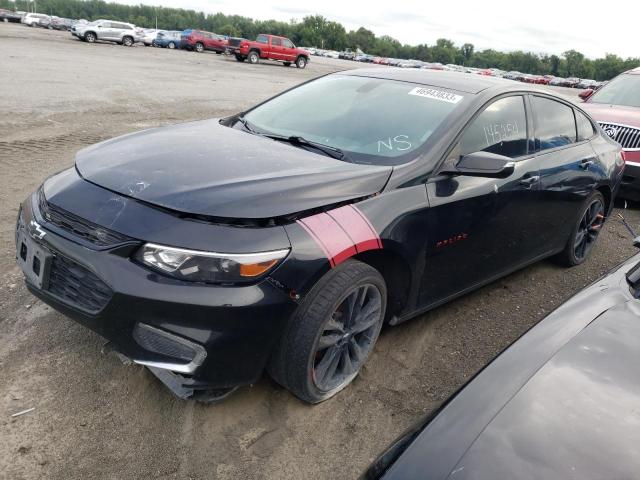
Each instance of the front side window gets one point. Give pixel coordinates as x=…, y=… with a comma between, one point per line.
x=501, y=129
x=276, y=42
x=262, y=39
x=555, y=124
x=623, y=90
x=287, y=43
x=373, y=120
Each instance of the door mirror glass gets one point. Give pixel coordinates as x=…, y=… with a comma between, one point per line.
x=484, y=164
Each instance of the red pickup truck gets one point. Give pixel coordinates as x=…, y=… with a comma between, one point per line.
x=270, y=47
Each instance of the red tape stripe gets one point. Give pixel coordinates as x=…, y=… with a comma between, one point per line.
x=341, y=233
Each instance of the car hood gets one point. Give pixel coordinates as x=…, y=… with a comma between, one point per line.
x=578, y=415
x=561, y=402
x=205, y=168
x=603, y=112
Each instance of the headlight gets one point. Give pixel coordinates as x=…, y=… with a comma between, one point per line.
x=210, y=267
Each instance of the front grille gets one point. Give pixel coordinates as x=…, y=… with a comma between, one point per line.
x=79, y=227
x=73, y=284
x=628, y=137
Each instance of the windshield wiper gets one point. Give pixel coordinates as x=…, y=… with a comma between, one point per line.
x=245, y=124
x=329, y=151
x=332, y=152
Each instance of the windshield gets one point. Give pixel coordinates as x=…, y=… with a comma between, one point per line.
x=623, y=90
x=371, y=120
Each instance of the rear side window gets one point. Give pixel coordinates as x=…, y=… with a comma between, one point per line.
x=555, y=123
x=276, y=42
x=262, y=39
x=585, y=127
x=501, y=128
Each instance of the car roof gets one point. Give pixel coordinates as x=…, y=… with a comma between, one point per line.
x=437, y=78
x=634, y=71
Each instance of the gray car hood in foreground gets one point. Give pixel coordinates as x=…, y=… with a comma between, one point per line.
x=209, y=169
x=563, y=402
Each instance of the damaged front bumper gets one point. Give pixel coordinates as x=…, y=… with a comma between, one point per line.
x=199, y=339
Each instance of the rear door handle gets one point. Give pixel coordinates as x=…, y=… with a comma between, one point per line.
x=585, y=164
x=529, y=180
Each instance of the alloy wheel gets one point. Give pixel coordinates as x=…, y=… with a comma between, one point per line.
x=347, y=338
x=588, y=229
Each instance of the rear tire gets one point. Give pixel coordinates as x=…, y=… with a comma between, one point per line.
x=253, y=57
x=127, y=41
x=332, y=332
x=171, y=46
x=199, y=47
x=240, y=58
x=585, y=231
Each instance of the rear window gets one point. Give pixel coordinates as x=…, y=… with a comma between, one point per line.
x=555, y=123
x=373, y=120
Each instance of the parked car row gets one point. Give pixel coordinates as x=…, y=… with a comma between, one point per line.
x=44, y=21
x=265, y=47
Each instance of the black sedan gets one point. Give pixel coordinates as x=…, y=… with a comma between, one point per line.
x=284, y=237
x=560, y=403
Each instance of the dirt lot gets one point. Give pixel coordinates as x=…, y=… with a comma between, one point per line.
x=97, y=418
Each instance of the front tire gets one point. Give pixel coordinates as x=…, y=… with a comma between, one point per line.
x=585, y=231
x=171, y=46
x=199, y=47
x=90, y=37
x=301, y=62
x=253, y=57
x=331, y=334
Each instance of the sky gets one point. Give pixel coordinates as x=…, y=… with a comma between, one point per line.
x=539, y=26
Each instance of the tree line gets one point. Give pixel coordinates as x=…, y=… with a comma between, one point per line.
x=318, y=31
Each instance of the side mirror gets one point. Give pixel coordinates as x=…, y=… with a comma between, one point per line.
x=484, y=164
x=586, y=94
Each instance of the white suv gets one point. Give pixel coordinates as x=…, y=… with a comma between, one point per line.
x=32, y=19
x=107, y=30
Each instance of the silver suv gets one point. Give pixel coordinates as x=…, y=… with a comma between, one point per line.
x=107, y=30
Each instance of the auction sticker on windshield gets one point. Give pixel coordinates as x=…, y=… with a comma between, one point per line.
x=436, y=94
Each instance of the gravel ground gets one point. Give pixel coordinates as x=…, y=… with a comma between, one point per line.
x=97, y=418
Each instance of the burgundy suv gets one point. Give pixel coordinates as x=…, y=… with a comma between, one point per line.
x=200, y=41
x=616, y=107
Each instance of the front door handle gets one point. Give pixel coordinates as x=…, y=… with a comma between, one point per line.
x=585, y=164
x=529, y=181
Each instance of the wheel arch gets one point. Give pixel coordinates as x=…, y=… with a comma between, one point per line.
x=607, y=193
x=397, y=275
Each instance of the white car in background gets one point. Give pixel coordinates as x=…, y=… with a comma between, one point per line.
x=32, y=19
x=149, y=36
x=108, y=30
